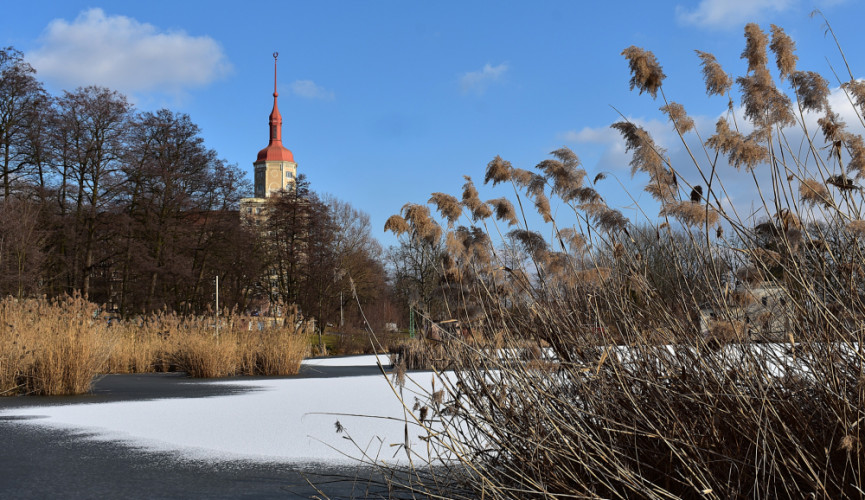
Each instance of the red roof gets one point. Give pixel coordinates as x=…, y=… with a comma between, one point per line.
x=275, y=152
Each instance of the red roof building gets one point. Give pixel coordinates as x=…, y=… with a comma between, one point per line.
x=275, y=169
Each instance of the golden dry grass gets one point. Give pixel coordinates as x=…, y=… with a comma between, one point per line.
x=54, y=347
x=58, y=347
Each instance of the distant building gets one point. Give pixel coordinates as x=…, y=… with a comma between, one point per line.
x=275, y=169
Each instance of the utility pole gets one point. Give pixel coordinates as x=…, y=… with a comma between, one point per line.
x=217, y=307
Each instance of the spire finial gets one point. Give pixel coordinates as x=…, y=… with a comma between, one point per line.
x=275, y=56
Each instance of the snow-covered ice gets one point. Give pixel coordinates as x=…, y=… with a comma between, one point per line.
x=278, y=420
x=365, y=360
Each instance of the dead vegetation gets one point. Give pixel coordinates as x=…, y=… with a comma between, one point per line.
x=672, y=372
x=59, y=346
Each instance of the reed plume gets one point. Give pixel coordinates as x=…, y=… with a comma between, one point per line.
x=741, y=150
x=784, y=49
x=575, y=241
x=691, y=213
x=397, y=225
x=813, y=192
x=646, y=73
x=765, y=105
x=418, y=216
x=676, y=113
x=856, y=147
x=647, y=158
x=811, y=89
x=522, y=177
x=542, y=204
x=856, y=90
x=471, y=201
x=504, y=210
x=498, y=170
x=447, y=205
x=833, y=127
x=857, y=228
x=718, y=82
x=755, y=47
x=532, y=241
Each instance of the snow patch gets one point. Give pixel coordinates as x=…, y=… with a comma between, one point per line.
x=280, y=420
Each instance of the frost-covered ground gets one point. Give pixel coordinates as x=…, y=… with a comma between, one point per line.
x=279, y=420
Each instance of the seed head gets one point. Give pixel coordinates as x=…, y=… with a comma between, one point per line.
x=764, y=104
x=691, y=213
x=857, y=228
x=676, y=113
x=811, y=89
x=397, y=225
x=784, y=48
x=504, y=210
x=856, y=89
x=718, y=82
x=498, y=171
x=755, y=47
x=849, y=443
x=647, y=156
x=542, y=204
x=814, y=193
x=832, y=126
x=471, y=201
x=531, y=241
x=418, y=216
x=447, y=205
x=741, y=150
x=856, y=148
x=574, y=240
x=646, y=73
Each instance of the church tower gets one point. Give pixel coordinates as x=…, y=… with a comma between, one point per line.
x=275, y=168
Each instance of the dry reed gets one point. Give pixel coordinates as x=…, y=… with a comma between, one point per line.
x=681, y=363
x=58, y=347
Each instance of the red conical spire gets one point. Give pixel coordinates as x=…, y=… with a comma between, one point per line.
x=275, y=151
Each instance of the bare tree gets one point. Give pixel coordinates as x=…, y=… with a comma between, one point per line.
x=21, y=255
x=416, y=275
x=360, y=271
x=21, y=96
x=90, y=136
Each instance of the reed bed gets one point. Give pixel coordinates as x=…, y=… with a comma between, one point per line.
x=59, y=346
x=694, y=354
x=54, y=347
x=242, y=345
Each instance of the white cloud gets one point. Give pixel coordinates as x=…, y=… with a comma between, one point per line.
x=310, y=90
x=126, y=55
x=478, y=81
x=728, y=13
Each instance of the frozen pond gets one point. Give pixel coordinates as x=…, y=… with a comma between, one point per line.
x=278, y=428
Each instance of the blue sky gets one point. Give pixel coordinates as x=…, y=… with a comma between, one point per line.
x=386, y=102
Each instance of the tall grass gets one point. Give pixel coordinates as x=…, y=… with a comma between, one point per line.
x=60, y=346
x=242, y=345
x=55, y=347
x=661, y=384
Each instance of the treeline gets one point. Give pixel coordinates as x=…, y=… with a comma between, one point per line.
x=131, y=209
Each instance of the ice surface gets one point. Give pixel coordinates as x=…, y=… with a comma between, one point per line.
x=366, y=360
x=280, y=420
